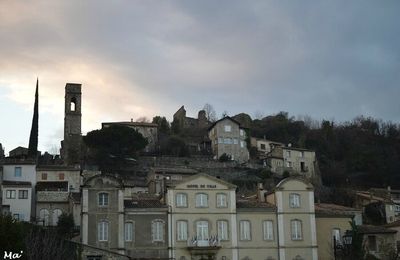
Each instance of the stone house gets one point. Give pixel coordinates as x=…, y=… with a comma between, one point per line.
x=382, y=204
x=293, y=160
x=264, y=146
x=57, y=190
x=228, y=137
x=378, y=241
x=148, y=130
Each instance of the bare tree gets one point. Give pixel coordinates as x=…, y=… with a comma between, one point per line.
x=210, y=112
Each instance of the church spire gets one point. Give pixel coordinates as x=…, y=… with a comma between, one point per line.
x=33, y=138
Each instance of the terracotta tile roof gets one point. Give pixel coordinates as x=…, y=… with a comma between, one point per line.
x=369, y=229
x=253, y=204
x=368, y=195
x=334, y=209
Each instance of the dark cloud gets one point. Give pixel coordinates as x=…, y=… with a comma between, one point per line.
x=327, y=59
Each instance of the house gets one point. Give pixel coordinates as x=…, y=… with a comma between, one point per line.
x=148, y=130
x=389, y=193
x=289, y=159
x=18, y=188
x=136, y=226
x=264, y=146
x=57, y=189
x=332, y=222
x=378, y=241
x=229, y=138
x=160, y=178
x=382, y=205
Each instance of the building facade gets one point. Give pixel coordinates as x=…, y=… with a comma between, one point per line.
x=228, y=137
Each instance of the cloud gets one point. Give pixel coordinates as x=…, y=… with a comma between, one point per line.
x=144, y=58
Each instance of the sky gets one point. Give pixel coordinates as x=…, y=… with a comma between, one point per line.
x=328, y=59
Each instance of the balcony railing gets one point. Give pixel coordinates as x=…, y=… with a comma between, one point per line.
x=212, y=241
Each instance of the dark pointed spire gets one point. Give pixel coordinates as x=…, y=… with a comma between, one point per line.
x=33, y=138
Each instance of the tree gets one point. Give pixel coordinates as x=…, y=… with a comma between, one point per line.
x=114, y=146
x=210, y=112
x=163, y=124
x=175, y=145
x=65, y=225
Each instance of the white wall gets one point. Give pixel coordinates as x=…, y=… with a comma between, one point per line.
x=17, y=205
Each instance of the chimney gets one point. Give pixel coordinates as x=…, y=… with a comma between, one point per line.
x=260, y=192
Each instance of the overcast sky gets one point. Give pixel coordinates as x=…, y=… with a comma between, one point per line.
x=327, y=59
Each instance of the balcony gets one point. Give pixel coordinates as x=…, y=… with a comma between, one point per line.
x=205, y=248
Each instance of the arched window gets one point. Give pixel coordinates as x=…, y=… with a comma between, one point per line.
x=294, y=200
x=103, y=199
x=201, y=200
x=56, y=214
x=182, y=230
x=44, y=216
x=181, y=200
x=157, y=230
x=297, y=233
x=202, y=230
x=222, y=227
x=222, y=201
x=73, y=104
x=102, y=231
x=129, y=231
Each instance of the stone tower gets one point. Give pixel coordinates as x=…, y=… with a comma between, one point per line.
x=71, y=146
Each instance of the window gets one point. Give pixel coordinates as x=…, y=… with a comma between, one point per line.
x=262, y=146
x=22, y=194
x=157, y=230
x=44, y=176
x=17, y=172
x=73, y=104
x=56, y=215
x=202, y=230
x=228, y=128
x=336, y=235
x=302, y=154
x=242, y=144
x=303, y=166
x=235, y=141
x=201, y=200
x=103, y=199
x=287, y=153
x=102, y=231
x=288, y=164
x=128, y=231
x=296, y=229
x=221, y=200
x=44, y=216
x=227, y=141
x=61, y=176
x=268, y=230
x=10, y=194
x=182, y=229
x=241, y=131
x=245, y=231
x=222, y=226
x=181, y=200
x=220, y=140
x=372, y=243
x=294, y=200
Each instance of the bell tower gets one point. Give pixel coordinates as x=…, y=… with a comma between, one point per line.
x=71, y=146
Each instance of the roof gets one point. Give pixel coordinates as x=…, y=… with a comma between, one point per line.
x=165, y=170
x=334, y=210
x=297, y=149
x=52, y=186
x=56, y=167
x=253, y=203
x=226, y=117
x=129, y=123
x=368, y=195
x=294, y=178
x=17, y=183
x=369, y=229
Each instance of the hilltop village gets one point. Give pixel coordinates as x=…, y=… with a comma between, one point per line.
x=198, y=188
